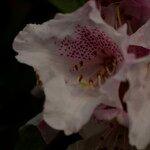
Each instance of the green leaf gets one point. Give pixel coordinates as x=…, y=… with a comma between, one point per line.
x=30, y=139
x=67, y=5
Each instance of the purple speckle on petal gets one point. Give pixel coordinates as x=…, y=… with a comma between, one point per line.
x=89, y=43
x=93, y=54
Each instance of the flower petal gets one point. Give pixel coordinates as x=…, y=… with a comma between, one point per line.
x=113, y=105
x=136, y=49
x=66, y=110
x=42, y=47
x=38, y=46
x=142, y=36
x=138, y=103
x=111, y=90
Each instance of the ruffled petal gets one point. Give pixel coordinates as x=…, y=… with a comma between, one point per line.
x=138, y=104
x=31, y=50
x=136, y=49
x=41, y=45
x=59, y=49
x=66, y=110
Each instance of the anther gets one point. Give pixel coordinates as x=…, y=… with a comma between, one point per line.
x=91, y=82
x=76, y=67
x=80, y=78
x=81, y=63
x=108, y=71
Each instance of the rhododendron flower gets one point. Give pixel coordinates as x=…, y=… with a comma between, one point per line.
x=81, y=61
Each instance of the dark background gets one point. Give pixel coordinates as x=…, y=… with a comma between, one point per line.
x=17, y=105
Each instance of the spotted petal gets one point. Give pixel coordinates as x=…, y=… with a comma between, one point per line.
x=66, y=49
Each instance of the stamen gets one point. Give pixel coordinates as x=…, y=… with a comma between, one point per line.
x=91, y=82
x=99, y=79
x=81, y=63
x=148, y=71
x=80, y=78
x=118, y=15
x=82, y=82
x=38, y=81
x=107, y=71
x=130, y=27
x=117, y=3
x=76, y=67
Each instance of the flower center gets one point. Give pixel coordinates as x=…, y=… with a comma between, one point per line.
x=93, y=56
x=100, y=74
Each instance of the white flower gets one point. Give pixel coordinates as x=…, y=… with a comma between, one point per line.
x=81, y=61
x=138, y=103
